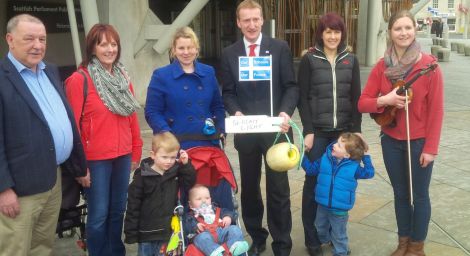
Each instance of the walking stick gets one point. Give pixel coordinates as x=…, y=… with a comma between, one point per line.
x=409, y=149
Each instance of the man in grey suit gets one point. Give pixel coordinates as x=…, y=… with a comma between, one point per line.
x=37, y=135
x=253, y=98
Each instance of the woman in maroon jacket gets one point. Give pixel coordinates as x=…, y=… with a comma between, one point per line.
x=102, y=100
x=402, y=61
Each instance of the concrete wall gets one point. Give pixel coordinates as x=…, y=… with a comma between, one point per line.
x=372, y=32
x=129, y=18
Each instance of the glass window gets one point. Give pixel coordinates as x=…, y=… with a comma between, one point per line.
x=451, y=24
x=450, y=4
x=435, y=3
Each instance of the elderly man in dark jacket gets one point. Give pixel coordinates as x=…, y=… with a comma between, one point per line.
x=37, y=135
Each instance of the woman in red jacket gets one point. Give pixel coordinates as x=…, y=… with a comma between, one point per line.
x=102, y=100
x=402, y=61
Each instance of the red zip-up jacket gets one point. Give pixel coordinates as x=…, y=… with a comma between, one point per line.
x=426, y=107
x=105, y=135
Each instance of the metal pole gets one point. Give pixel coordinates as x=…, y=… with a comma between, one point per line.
x=273, y=28
x=271, y=83
x=74, y=31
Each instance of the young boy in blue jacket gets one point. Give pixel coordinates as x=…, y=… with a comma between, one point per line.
x=338, y=170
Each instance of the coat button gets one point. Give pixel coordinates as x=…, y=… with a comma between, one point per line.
x=186, y=87
x=190, y=118
x=199, y=88
x=188, y=104
x=200, y=103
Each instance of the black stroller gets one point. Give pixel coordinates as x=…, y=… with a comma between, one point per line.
x=73, y=211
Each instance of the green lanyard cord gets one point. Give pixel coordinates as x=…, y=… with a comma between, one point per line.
x=301, y=141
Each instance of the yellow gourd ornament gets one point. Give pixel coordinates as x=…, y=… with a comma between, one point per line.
x=283, y=156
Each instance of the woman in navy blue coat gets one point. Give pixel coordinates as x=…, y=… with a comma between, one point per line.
x=184, y=97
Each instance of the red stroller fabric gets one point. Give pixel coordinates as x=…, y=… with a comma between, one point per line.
x=212, y=165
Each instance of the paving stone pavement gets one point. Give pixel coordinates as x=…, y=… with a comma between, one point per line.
x=372, y=228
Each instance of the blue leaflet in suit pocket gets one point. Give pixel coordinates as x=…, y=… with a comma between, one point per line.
x=244, y=61
x=261, y=62
x=261, y=74
x=244, y=74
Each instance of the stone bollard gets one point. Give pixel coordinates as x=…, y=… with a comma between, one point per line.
x=467, y=50
x=434, y=41
x=461, y=48
x=443, y=54
x=454, y=46
x=444, y=43
x=434, y=49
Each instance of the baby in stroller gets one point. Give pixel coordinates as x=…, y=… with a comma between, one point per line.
x=209, y=227
x=153, y=195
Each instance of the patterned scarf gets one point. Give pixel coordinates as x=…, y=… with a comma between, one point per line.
x=113, y=88
x=206, y=212
x=399, y=68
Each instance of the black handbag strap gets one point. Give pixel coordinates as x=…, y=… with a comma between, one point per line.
x=85, y=94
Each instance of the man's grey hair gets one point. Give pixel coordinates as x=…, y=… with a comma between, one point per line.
x=13, y=22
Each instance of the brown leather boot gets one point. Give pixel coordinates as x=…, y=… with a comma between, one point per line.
x=415, y=249
x=403, y=242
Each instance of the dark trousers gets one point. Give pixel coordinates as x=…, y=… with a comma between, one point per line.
x=309, y=206
x=411, y=221
x=251, y=152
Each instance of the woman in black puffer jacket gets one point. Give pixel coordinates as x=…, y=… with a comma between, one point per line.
x=330, y=86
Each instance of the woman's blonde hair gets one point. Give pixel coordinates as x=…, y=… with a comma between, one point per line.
x=184, y=32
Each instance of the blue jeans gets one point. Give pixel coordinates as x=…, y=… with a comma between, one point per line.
x=106, y=199
x=150, y=248
x=309, y=206
x=205, y=241
x=332, y=227
x=411, y=221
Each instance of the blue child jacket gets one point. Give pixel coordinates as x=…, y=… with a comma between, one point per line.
x=337, y=181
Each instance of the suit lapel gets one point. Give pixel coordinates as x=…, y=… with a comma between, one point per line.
x=265, y=46
x=240, y=48
x=23, y=90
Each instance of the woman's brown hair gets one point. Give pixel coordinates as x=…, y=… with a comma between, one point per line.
x=332, y=21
